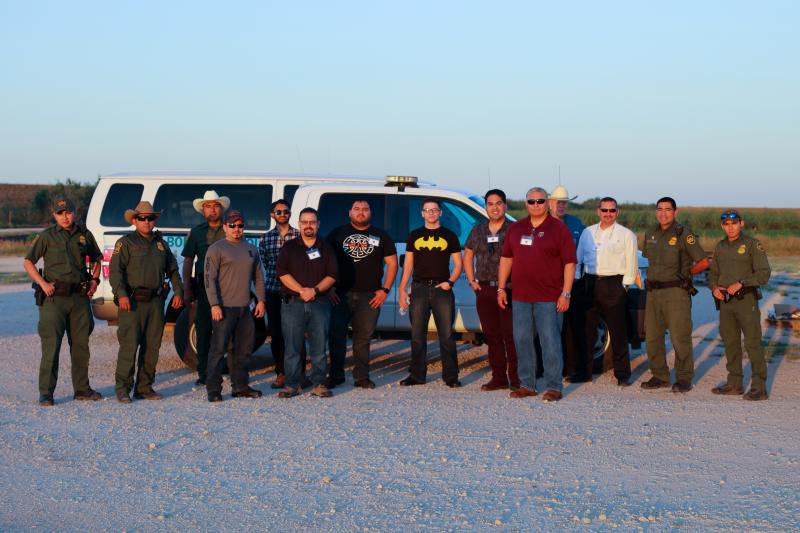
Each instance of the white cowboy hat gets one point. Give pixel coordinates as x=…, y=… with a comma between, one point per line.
x=211, y=196
x=560, y=193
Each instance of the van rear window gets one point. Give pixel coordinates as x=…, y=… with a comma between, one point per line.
x=176, y=202
x=121, y=196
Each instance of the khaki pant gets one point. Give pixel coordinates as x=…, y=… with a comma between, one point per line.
x=669, y=309
x=139, y=332
x=70, y=315
x=738, y=317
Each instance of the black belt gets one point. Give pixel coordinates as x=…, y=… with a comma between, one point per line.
x=429, y=282
x=654, y=285
x=489, y=283
x=598, y=276
x=287, y=299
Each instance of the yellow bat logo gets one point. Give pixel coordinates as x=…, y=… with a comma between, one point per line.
x=430, y=243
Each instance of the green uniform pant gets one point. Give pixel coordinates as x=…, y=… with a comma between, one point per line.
x=202, y=329
x=140, y=330
x=735, y=318
x=669, y=309
x=57, y=315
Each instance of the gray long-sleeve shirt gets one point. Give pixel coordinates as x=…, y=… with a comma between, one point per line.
x=230, y=269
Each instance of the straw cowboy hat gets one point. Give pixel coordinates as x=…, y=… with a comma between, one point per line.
x=560, y=193
x=211, y=196
x=143, y=208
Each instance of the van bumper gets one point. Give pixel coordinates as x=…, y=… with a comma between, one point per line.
x=104, y=309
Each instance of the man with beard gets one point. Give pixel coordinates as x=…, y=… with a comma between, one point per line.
x=360, y=290
x=232, y=267
x=211, y=206
x=139, y=264
x=307, y=270
x=484, y=246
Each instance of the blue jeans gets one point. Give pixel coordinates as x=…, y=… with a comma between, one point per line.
x=300, y=321
x=426, y=299
x=531, y=318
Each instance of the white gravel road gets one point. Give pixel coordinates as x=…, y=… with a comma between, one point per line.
x=424, y=458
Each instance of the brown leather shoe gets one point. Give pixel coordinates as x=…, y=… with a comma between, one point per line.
x=279, y=383
x=755, y=395
x=522, y=392
x=148, y=394
x=655, y=383
x=89, y=395
x=551, y=395
x=494, y=385
x=288, y=392
x=727, y=390
x=321, y=391
x=681, y=386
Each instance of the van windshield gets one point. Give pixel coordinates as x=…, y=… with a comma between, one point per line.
x=175, y=200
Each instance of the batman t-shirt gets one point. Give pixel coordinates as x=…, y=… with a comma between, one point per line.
x=432, y=249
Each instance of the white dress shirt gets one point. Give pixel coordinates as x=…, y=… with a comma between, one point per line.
x=608, y=252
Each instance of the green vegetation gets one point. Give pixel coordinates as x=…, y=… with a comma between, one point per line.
x=29, y=205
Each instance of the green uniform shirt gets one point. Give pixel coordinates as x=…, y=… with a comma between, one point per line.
x=64, y=253
x=671, y=252
x=197, y=243
x=141, y=262
x=741, y=260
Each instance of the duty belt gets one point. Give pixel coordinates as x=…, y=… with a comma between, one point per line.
x=489, y=283
x=654, y=285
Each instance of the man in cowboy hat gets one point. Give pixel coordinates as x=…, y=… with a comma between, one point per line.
x=573, y=338
x=63, y=298
x=139, y=264
x=211, y=206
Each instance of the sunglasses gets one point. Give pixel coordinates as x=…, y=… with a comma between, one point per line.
x=610, y=210
x=729, y=216
x=282, y=212
x=536, y=201
x=237, y=226
x=148, y=218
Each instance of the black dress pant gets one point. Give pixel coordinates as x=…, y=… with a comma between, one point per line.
x=606, y=298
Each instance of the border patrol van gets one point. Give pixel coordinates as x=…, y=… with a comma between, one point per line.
x=395, y=201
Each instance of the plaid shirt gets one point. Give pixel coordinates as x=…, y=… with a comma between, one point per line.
x=268, y=248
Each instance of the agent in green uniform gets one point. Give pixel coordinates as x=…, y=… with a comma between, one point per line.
x=671, y=250
x=739, y=267
x=140, y=263
x=64, y=292
x=211, y=206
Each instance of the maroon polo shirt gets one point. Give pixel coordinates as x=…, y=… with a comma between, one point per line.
x=537, y=273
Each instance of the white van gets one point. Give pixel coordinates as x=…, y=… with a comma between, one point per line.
x=395, y=203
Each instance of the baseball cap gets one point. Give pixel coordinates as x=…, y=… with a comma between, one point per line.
x=233, y=216
x=62, y=203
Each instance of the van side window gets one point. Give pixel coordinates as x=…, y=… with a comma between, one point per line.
x=175, y=200
x=288, y=192
x=334, y=209
x=121, y=196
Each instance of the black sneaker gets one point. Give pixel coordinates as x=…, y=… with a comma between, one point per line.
x=148, y=394
x=214, y=397
x=623, y=382
x=409, y=382
x=578, y=378
x=200, y=382
x=249, y=392
x=332, y=383
x=655, y=383
x=46, y=400
x=453, y=384
x=88, y=396
x=365, y=383
x=681, y=386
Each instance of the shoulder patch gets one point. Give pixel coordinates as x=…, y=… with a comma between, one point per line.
x=35, y=240
x=759, y=246
x=160, y=246
x=673, y=241
x=82, y=240
x=742, y=249
x=690, y=239
x=117, y=247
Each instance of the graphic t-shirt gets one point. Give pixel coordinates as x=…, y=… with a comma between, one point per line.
x=432, y=249
x=359, y=256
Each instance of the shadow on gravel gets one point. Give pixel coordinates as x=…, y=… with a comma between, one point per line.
x=18, y=304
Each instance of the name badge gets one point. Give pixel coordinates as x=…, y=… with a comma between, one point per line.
x=526, y=240
x=493, y=238
x=373, y=240
x=313, y=253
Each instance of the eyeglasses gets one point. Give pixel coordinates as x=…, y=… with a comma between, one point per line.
x=726, y=216
x=610, y=210
x=282, y=212
x=148, y=218
x=432, y=210
x=536, y=201
x=237, y=226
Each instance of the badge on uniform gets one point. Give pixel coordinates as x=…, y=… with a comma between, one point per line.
x=82, y=240
x=313, y=253
x=493, y=239
x=742, y=249
x=526, y=240
x=160, y=246
x=373, y=240
x=690, y=239
x=673, y=241
x=117, y=247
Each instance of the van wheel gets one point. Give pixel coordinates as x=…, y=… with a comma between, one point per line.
x=185, y=336
x=603, y=354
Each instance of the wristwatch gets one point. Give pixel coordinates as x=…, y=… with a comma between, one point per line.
x=316, y=291
x=566, y=295
x=384, y=289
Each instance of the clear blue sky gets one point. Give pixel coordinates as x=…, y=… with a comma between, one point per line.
x=698, y=100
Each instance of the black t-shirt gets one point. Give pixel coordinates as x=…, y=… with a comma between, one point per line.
x=359, y=256
x=308, y=266
x=432, y=249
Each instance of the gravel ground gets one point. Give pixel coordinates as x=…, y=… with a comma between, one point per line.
x=420, y=458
